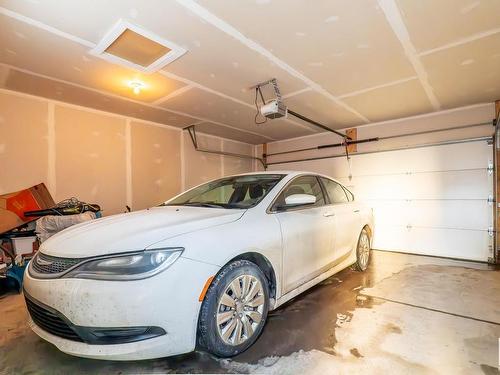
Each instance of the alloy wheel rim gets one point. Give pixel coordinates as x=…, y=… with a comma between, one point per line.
x=240, y=310
x=364, y=250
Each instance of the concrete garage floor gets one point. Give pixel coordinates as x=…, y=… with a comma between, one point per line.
x=406, y=314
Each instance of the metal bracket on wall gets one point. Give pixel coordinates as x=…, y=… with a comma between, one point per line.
x=192, y=134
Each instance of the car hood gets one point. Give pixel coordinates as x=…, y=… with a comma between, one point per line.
x=134, y=231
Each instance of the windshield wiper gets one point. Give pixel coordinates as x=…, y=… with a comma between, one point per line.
x=204, y=204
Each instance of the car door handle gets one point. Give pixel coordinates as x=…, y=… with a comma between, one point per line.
x=328, y=214
x=356, y=211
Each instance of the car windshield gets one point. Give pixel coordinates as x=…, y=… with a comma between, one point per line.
x=230, y=192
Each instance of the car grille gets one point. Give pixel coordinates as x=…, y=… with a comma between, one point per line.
x=46, y=264
x=50, y=321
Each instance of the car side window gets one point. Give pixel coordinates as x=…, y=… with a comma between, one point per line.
x=302, y=185
x=350, y=195
x=335, y=191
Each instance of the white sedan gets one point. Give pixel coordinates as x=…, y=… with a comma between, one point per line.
x=204, y=268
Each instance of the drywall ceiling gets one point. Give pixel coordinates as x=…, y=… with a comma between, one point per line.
x=343, y=63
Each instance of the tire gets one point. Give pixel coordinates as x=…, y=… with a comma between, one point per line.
x=231, y=321
x=363, y=251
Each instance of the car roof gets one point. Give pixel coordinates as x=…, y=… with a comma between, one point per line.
x=270, y=172
x=288, y=173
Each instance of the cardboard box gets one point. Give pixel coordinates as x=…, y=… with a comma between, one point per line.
x=23, y=245
x=13, y=206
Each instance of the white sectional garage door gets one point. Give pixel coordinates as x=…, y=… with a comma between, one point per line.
x=428, y=200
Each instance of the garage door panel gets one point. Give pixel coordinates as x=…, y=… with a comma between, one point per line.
x=381, y=187
x=460, y=214
x=457, y=214
x=465, y=184
x=390, y=212
x=391, y=237
x=336, y=168
x=423, y=159
x=458, y=184
x=452, y=243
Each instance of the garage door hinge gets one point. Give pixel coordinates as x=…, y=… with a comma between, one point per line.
x=490, y=231
x=490, y=167
x=491, y=200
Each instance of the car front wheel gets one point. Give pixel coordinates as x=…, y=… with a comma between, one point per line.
x=363, y=251
x=234, y=310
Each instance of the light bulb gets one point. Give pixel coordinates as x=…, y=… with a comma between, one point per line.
x=136, y=86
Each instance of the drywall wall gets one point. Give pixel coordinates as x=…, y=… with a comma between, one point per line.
x=233, y=165
x=102, y=157
x=89, y=149
x=199, y=166
x=23, y=142
x=156, y=160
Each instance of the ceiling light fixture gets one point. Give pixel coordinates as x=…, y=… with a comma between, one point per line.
x=136, y=86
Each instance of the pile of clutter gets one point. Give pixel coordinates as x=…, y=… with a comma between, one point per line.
x=28, y=218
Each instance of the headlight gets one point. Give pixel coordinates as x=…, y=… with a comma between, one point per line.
x=132, y=266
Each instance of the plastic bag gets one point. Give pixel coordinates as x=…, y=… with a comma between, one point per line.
x=47, y=226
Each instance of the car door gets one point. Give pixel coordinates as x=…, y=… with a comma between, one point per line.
x=306, y=232
x=346, y=217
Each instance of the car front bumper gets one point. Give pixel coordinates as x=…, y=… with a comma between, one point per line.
x=167, y=301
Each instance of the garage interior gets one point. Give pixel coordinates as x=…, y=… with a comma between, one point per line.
x=126, y=104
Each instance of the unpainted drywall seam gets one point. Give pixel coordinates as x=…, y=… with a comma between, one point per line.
x=368, y=89
x=395, y=20
x=51, y=149
x=461, y=41
x=128, y=163
x=43, y=26
x=172, y=95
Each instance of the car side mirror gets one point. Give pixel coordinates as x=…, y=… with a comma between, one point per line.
x=295, y=200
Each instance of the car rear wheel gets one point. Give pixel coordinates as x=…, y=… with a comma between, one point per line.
x=234, y=310
x=363, y=251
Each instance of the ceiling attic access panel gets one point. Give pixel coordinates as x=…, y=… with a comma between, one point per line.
x=134, y=47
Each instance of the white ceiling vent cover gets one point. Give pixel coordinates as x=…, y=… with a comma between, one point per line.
x=133, y=47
